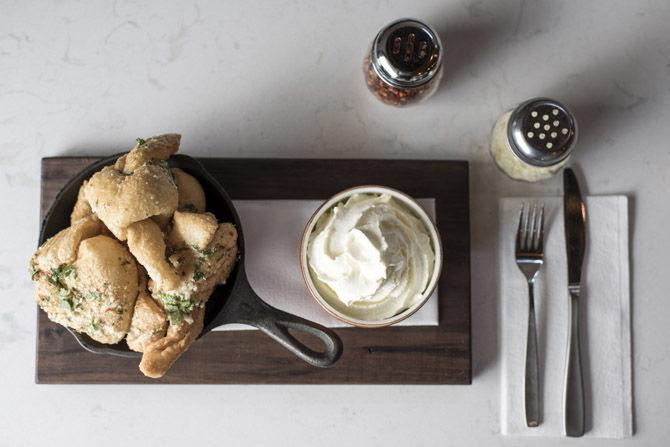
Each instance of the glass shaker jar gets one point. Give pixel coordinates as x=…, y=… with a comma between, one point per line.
x=534, y=140
x=404, y=64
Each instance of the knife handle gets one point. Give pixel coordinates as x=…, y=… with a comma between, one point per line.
x=532, y=376
x=574, y=384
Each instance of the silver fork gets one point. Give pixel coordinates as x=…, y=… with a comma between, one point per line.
x=529, y=253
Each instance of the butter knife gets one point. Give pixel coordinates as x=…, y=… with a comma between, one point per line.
x=574, y=214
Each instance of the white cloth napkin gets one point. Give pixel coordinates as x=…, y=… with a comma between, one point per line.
x=272, y=232
x=605, y=313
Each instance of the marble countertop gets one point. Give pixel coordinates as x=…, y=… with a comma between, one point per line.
x=284, y=79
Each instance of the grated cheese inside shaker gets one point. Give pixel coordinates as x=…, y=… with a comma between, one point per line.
x=404, y=64
x=534, y=140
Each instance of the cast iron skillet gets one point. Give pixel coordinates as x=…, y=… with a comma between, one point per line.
x=233, y=302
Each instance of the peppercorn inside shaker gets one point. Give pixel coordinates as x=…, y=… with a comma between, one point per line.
x=404, y=64
x=534, y=140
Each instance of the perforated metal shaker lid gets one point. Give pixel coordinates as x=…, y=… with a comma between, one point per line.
x=542, y=131
x=406, y=53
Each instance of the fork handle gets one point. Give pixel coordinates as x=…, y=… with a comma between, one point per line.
x=532, y=372
x=574, y=384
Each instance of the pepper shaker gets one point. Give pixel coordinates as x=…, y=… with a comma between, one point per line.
x=534, y=140
x=404, y=64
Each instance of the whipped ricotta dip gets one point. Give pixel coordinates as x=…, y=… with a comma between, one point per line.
x=371, y=257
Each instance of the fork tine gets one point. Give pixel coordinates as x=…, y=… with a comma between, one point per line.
x=540, y=237
x=519, y=231
x=536, y=228
x=530, y=227
x=526, y=222
x=530, y=231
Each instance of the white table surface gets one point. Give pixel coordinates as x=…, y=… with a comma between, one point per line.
x=284, y=79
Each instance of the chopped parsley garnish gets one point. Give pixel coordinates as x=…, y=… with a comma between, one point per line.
x=95, y=326
x=140, y=141
x=33, y=271
x=176, y=306
x=92, y=295
x=66, y=299
x=198, y=275
x=58, y=275
x=207, y=252
x=67, y=269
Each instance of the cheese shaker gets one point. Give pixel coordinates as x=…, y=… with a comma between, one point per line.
x=534, y=140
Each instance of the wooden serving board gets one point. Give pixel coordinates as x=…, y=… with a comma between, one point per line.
x=421, y=355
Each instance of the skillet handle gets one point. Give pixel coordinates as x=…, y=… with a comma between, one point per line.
x=278, y=324
x=252, y=310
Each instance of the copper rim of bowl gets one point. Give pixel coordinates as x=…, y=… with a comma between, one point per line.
x=304, y=268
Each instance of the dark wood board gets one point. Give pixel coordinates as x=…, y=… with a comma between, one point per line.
x=419, y=355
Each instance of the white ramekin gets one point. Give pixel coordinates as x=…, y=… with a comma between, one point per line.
x=418, y=212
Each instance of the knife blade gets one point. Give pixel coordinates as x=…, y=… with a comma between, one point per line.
x=574, y=215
